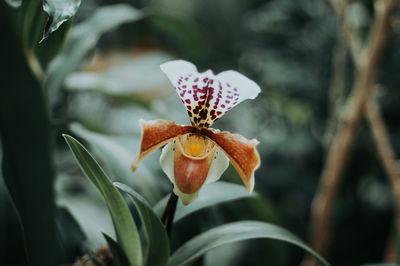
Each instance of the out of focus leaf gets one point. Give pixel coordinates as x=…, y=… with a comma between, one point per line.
x=59, y=11
x=179, y=34
x=119, y=257
x=83, y=38
x=126, y=79
x=157, y=238
x=119, y=158
x=25, y=132
x=209, y=195
x=233, y=232
x=14, y=3
x=70, y=233
x=125, y=227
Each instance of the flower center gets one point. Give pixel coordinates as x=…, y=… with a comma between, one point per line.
x=195, y=145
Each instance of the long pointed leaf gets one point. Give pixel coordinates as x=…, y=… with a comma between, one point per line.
x=233, y=232
x=158, y=249
x=126, y=230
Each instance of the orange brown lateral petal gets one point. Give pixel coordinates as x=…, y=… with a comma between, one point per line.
x=156, y=133
x=241, y=152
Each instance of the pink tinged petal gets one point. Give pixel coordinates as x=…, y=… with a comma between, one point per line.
x=156, y=133
x=241, y=152
x=207, y=97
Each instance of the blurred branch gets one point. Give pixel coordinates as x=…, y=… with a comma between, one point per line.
x=349, y=32
x=386, y=153
x=336, y=88
x=366, y=62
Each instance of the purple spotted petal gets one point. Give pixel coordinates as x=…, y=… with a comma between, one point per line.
x=207, y=96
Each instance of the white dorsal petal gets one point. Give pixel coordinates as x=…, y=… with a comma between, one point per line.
x=207, y=97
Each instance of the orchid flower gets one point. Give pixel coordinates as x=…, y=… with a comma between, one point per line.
x=195, y=154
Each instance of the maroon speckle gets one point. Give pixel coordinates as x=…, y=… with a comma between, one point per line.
x=206, y=124
x=227, y=101
x=205, y=80
x=212, y=112
x=189, y=107
x=190, y=114
x=187, y=101
x=219, y=113
x=222, y=105
x=211, y=81
x=196, y=79
x=186, y=78
x=213, y=117
x=190, y=91
x=184, y=86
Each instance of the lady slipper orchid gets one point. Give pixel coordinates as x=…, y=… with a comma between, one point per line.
x=195, y=154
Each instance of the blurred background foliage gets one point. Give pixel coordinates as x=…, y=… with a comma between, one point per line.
x=100, y=73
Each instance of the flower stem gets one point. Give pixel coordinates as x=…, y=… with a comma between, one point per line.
x=168, y=216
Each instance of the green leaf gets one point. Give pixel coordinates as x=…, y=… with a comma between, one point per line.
x=69, y=233
x=179, y=34
x=59, y=11
x=14, y=3
x=233, y=232
x=211, y=194
x=27, y=161
x=126, y=230
x=83, y=38
x=119, y=257
x=125, y=80
x=157, y=238
x=118, y=158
